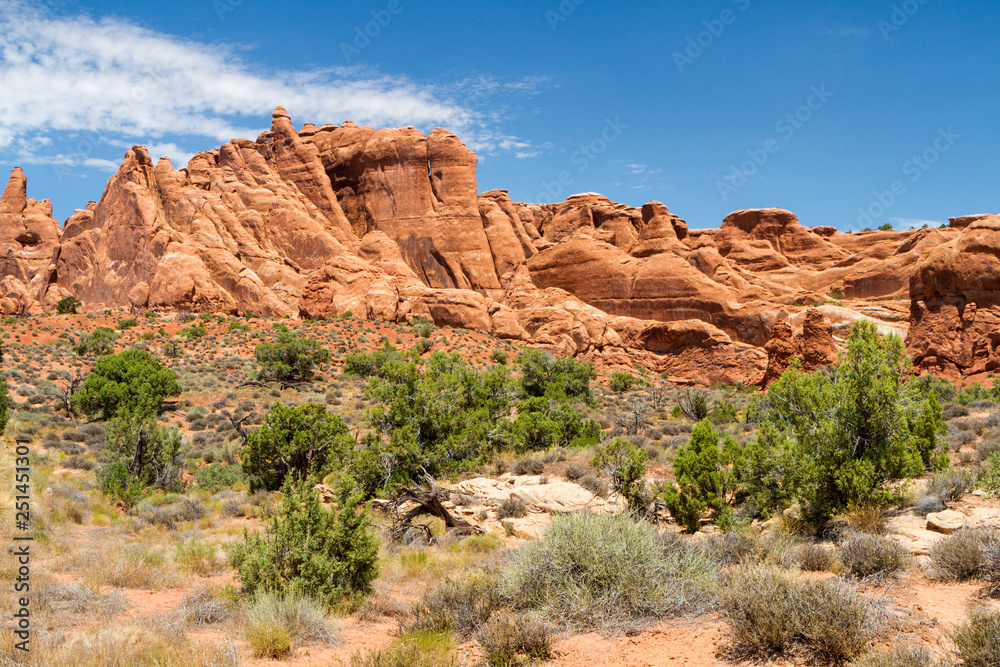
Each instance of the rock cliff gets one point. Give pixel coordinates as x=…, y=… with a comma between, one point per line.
x=389, y=224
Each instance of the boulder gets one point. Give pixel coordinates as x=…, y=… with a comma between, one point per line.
x=554, y=496
x=911, y=532
x=946, y=522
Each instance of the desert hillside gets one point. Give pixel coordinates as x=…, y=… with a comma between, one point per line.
x=512, y=507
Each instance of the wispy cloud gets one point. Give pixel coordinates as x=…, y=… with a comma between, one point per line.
x=124, y=82
x=643, y=177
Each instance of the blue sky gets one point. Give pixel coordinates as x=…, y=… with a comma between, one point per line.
x=847, y=113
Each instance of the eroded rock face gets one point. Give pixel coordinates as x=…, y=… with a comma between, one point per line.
x=29, y=248
x=387, y=223
x=814, y=346
x=955, y=304
x=420, y=191
x=782, y=232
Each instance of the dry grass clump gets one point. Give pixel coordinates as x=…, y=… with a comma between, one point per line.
x=509, y=641
x=963, y=555
x=871, y=519
x=771, y=612
x=415, y=649
x=609, y=572
x=276, y=623
x=813, y=557
x=128, y=567
x=868, y=556
x=977, y=641
x=198, y=557
x=460, y=605
x=901, y=656
x=78, y=599
x=512, y=508
x=120, y=646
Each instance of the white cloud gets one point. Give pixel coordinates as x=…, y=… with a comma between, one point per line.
x=108, y=76
x=73, y=160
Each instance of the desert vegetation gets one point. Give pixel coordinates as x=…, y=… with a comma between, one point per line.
x=363, y=493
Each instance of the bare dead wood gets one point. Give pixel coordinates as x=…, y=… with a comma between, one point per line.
x=280, y=384
x=427, y=502
x=64, y=394
x=238, y=425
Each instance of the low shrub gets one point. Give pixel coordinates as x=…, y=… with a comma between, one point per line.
x=989, y=481
x=732, y=548
x=528, y=465
x=769, y=611
x=951, y=485
x=901, y=656
x=78, y=599
x=168, y=516
x=576, y=573
x=595, y=485
x=953, y=410
x=812, y=557
x=205, y=606
x=868, y=556
x=276, y=622
x=962, y=555
x=512, y=641
x=323, y=553
x=835, y=621
x=758, y=602
x=512, y=508
x=977, y=641
x=460, y=605
x=198, y=557
x=218, y=476
x=928, y=504
x=621, y=381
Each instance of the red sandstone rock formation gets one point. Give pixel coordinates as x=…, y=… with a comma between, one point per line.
x=388, y=224
x=955, y=303
x=29, y=247
x=814, y=347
